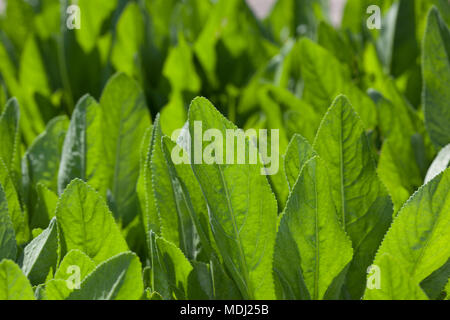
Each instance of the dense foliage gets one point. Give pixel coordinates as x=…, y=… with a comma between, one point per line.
x=90, y=191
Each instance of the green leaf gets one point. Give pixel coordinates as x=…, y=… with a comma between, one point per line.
x=311, y=247
x=144, y=188
x=363, y=205
x=10, y=137
x=81, y=153
x=440, y=163
x=397, y=42
x=436, y=77
x=395, y=282
x=93, y=15
x=8, y=247
x=125, y=118
x=45, y=206
x=298, y=152
x=13, y=283
x=290, y=18
x=190, y=202
x=18, y=217
x=41, y=254
x=447, y=290
x=118, y=278
x=40, y=163
x=398, y=167
x=416, y=242
x=242, y=207
x=129, y=40
x=85, y=223
x=325, y=77
x=77, y=258
x=170, y=269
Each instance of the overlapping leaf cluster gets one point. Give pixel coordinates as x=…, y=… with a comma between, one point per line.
x=90, y=191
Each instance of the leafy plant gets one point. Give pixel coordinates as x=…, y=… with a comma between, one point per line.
x=100, y=193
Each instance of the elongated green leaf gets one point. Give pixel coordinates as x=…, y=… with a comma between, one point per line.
x=436, y=77
x=85, y=223
x=170, y=269
x=124, y=120
x=93, y=14
x=41, y=254
x=10, y=137
x=8, y=247
x=242, y=208
x=144, y=188
x=311, y=247
x=176, y=224
x=129, y=40
x=434, y=284
x=118, y=278
x=13, y=283
x=18, y=217
x=417, y=240
x=298, y=152
x=82, y=146
x=40, y=163
x=325, y=78
x=398, y=167
x=363, y=205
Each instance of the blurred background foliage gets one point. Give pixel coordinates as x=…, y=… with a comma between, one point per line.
x=260, y=72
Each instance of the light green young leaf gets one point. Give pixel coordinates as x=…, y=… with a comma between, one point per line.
x=125, y=118
x=325, y=77
x=85, y=223
x=363, y=205
x=418, y=239
x=436, y=78
x=82, y=146
x=311, y=247
x=93, y=15
x=439, y=164
x=13, y=283
x=242, y=207
x=298, y=152
x=56, y=289
x=8, y=246
x=118, y=278
x=41, y=254
x=129, y=40
x=76, y=258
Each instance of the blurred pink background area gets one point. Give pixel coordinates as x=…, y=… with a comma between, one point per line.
x=262, y=8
